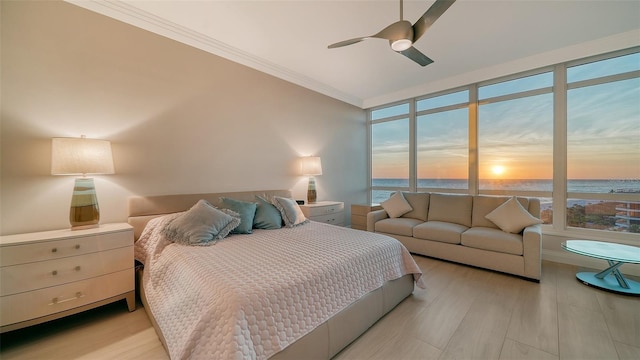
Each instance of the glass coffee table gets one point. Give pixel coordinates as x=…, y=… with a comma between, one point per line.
x=610, y=279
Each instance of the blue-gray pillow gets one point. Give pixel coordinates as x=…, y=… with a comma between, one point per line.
x=247, y=211
x=267, y=216
x=203, y=224
x=290, y=211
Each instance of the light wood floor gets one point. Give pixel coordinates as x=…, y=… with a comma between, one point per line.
x=466, y=313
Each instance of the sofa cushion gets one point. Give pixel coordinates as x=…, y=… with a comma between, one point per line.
x=419, y=203
x=450, y=208
x=397, y=226
x=439, y=231
x=512, y=217
x=396, y=205
x=493, y=240
x=483, y=205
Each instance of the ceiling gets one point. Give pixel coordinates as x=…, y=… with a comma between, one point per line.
x=473, y=41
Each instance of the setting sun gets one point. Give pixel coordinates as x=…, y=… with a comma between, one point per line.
x=498, y=170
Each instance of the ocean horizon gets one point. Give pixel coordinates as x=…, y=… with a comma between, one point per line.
x=573, y=185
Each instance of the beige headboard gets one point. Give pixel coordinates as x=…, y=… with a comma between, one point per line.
x=144, y=208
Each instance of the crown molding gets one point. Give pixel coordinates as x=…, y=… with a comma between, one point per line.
x=132, y=15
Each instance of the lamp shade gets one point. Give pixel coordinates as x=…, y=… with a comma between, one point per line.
x=81, y=156
x=311, y=166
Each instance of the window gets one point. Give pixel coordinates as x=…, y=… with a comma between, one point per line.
x=389, y=151
x=506, y=146
x=603, y=145
x=515, y=144
x=443, y=142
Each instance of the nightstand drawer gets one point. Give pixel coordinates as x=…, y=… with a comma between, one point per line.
x=333, y=219
x=34, y=304
x=48, y=250
x=320, y=210
x=20, y=278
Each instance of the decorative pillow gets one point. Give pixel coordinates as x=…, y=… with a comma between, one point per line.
x=247, y=211
x=267, y=216
x=290, y=211
x=512, y=217
x=203, y=224
x=396, y=205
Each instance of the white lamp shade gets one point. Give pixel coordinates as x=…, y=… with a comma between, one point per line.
x=73, y=156
x=311, y=166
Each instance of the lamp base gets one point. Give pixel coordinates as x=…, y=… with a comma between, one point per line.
x=311, y=191
x=84, y=212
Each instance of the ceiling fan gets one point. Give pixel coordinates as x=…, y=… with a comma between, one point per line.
x=402, y=35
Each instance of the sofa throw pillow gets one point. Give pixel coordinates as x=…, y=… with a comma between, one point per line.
x=290, y=211
x=201, y=225
x=246, y=210
x=267, y=215
x=512, y=217
x=396, y=205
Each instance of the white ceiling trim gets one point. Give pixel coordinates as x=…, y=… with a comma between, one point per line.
x=607, y=44
x=134, y=16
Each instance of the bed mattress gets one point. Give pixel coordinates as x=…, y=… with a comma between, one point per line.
x=250, y=296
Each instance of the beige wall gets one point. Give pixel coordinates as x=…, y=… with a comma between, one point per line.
x=180, y=120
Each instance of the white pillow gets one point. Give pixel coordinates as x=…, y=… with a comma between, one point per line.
x=512, y=217
x=290, y=211
x=396, y=205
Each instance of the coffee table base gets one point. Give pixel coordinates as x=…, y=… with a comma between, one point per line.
x=609, y=283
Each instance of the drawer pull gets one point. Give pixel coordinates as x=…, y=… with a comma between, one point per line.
x=77, y=268
x=77, y=246
x=54, y=272
x=54, y=250
x=56, y=300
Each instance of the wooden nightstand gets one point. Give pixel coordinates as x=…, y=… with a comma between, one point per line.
x=359, y=214
x=330, y=212
x=52, y=274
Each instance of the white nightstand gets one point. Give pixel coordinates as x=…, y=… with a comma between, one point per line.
x=52, y=274
x=330, y=212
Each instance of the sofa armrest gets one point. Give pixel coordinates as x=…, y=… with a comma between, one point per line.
x=532, y=251
x=375, y=216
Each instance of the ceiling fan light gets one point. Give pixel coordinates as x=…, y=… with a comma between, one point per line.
x=401, y=44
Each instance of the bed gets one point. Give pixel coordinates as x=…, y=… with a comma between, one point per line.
x=296, y=292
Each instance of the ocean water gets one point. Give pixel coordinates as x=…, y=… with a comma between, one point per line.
x=587, y=186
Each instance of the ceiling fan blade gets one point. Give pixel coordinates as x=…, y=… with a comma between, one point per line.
x=347, y=42
x=429, y=17
x=415, y=55
x=397, y=30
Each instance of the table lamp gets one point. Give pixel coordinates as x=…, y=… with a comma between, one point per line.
x=82, y=156
x=311, y=166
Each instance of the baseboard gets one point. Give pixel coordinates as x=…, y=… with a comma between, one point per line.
x=564, y=257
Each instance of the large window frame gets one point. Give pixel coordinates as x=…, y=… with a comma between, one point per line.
x=560, y=193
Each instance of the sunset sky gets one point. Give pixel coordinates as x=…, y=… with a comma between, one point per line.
x=516, y=136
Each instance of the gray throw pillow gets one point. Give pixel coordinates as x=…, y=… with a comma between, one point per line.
x=267, y=215
x=203, y=224
x=247, y=211
x=290, y=211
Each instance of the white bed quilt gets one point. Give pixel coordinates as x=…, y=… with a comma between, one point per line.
x=249, y=296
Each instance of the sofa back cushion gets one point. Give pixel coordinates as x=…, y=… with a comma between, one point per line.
x=419, y=203
x=451, y=208
x=483, y=205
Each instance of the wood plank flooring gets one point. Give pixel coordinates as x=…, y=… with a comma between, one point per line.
x=465, y=313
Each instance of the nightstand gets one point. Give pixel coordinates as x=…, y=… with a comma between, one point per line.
x=330, y=212
x=359, y=214
x=51, y=274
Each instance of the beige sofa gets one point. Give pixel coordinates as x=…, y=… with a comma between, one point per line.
x=454, y=227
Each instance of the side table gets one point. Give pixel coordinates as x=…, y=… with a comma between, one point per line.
x=359, y=214
x=610, y=279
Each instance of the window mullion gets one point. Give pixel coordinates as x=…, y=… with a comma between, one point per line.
x=413, y=147
x=559, y=194
x=473, y=140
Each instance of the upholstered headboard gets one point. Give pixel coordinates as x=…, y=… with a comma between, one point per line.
x=144, y=208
